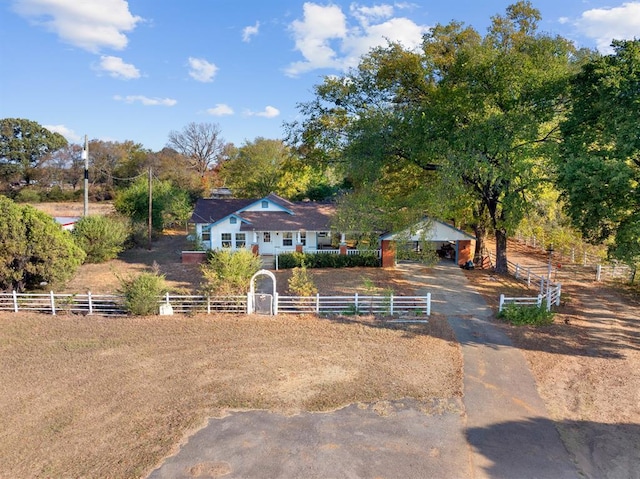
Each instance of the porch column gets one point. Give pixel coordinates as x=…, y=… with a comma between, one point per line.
x=343, y=244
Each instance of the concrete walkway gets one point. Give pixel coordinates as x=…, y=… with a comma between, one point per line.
x=500, y=428
x=507, y=425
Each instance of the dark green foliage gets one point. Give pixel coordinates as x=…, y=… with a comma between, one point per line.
x=143, y=292
x=33, y=248
x=322, y=260
x=599, y=170
x=520, y=315
x=101, y=237
x=170, y=205
x=24, y=146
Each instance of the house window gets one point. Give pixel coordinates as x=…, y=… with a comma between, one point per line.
x=303, y=238
x=240, y=240
x=265, y=204
x=226, y=240
x=266, y=237
x=206, y=235
x=287, y=238
x=233, y=220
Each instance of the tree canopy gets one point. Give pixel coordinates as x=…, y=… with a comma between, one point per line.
x=33, y=248
x=467, y=124
x=599, y=170
x=200, y=143
x=266, y=166
x=24, y=146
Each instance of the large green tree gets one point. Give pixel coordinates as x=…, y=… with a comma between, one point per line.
x=33, y=248
x=264, y=166
x=599, y=170
x=483, y=112
x=169, y=204
x=24, y=146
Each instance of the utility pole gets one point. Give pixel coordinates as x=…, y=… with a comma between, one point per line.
x=85, y=157
x=150, y=225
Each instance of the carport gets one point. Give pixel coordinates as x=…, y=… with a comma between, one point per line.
x=433, y=231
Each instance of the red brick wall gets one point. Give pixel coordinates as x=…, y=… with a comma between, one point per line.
x=194, y=257
x=464, y=251
x=388, y=254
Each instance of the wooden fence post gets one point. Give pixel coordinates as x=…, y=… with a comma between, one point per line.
x=428, y=304
x=598, y=272
x=501, y=303
x=317, y=303
x=15, y=301
x=249, y=308
x=90, y=302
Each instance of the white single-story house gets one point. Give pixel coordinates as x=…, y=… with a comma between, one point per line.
x=267, y=225
x=274, y=225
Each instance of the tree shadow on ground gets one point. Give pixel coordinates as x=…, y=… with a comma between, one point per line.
x=598, y=450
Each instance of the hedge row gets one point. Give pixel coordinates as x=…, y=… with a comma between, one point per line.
x=323, y=260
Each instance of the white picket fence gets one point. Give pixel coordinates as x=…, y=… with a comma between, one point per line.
x=106, y=305
x=550, y=298
x=550, y=292
x=388, y=305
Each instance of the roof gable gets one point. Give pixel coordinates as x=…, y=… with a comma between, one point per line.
x=431, y=230
x=272, y=200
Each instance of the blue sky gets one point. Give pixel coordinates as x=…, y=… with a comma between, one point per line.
x=138, y=69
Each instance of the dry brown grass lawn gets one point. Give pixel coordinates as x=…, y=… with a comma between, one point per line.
x=110, y=397
x=105, y=397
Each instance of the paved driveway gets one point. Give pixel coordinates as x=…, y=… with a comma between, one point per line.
x=500, y=428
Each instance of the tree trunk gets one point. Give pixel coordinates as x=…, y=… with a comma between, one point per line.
x=501, y=251
x=481, y=236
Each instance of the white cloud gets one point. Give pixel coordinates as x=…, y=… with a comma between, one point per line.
x=250, y=31
x=201, y=70
x=606, y=24
x=268, y=112
x=117, y=68
x=326, y=39
x=146, y=101
x=90, y=25
x=366, y=15
x=220, y=110
x=68, y=133
x=313, y=35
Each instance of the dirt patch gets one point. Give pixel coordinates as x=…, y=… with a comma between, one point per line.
x=586, y=364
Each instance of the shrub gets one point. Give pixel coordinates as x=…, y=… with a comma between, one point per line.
x=300, y=283
x=28, y=195
x=34, y=249
x=520, y=315
x=101, y=237
x=142, y=293
x=229, y=272
x=322, y=260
